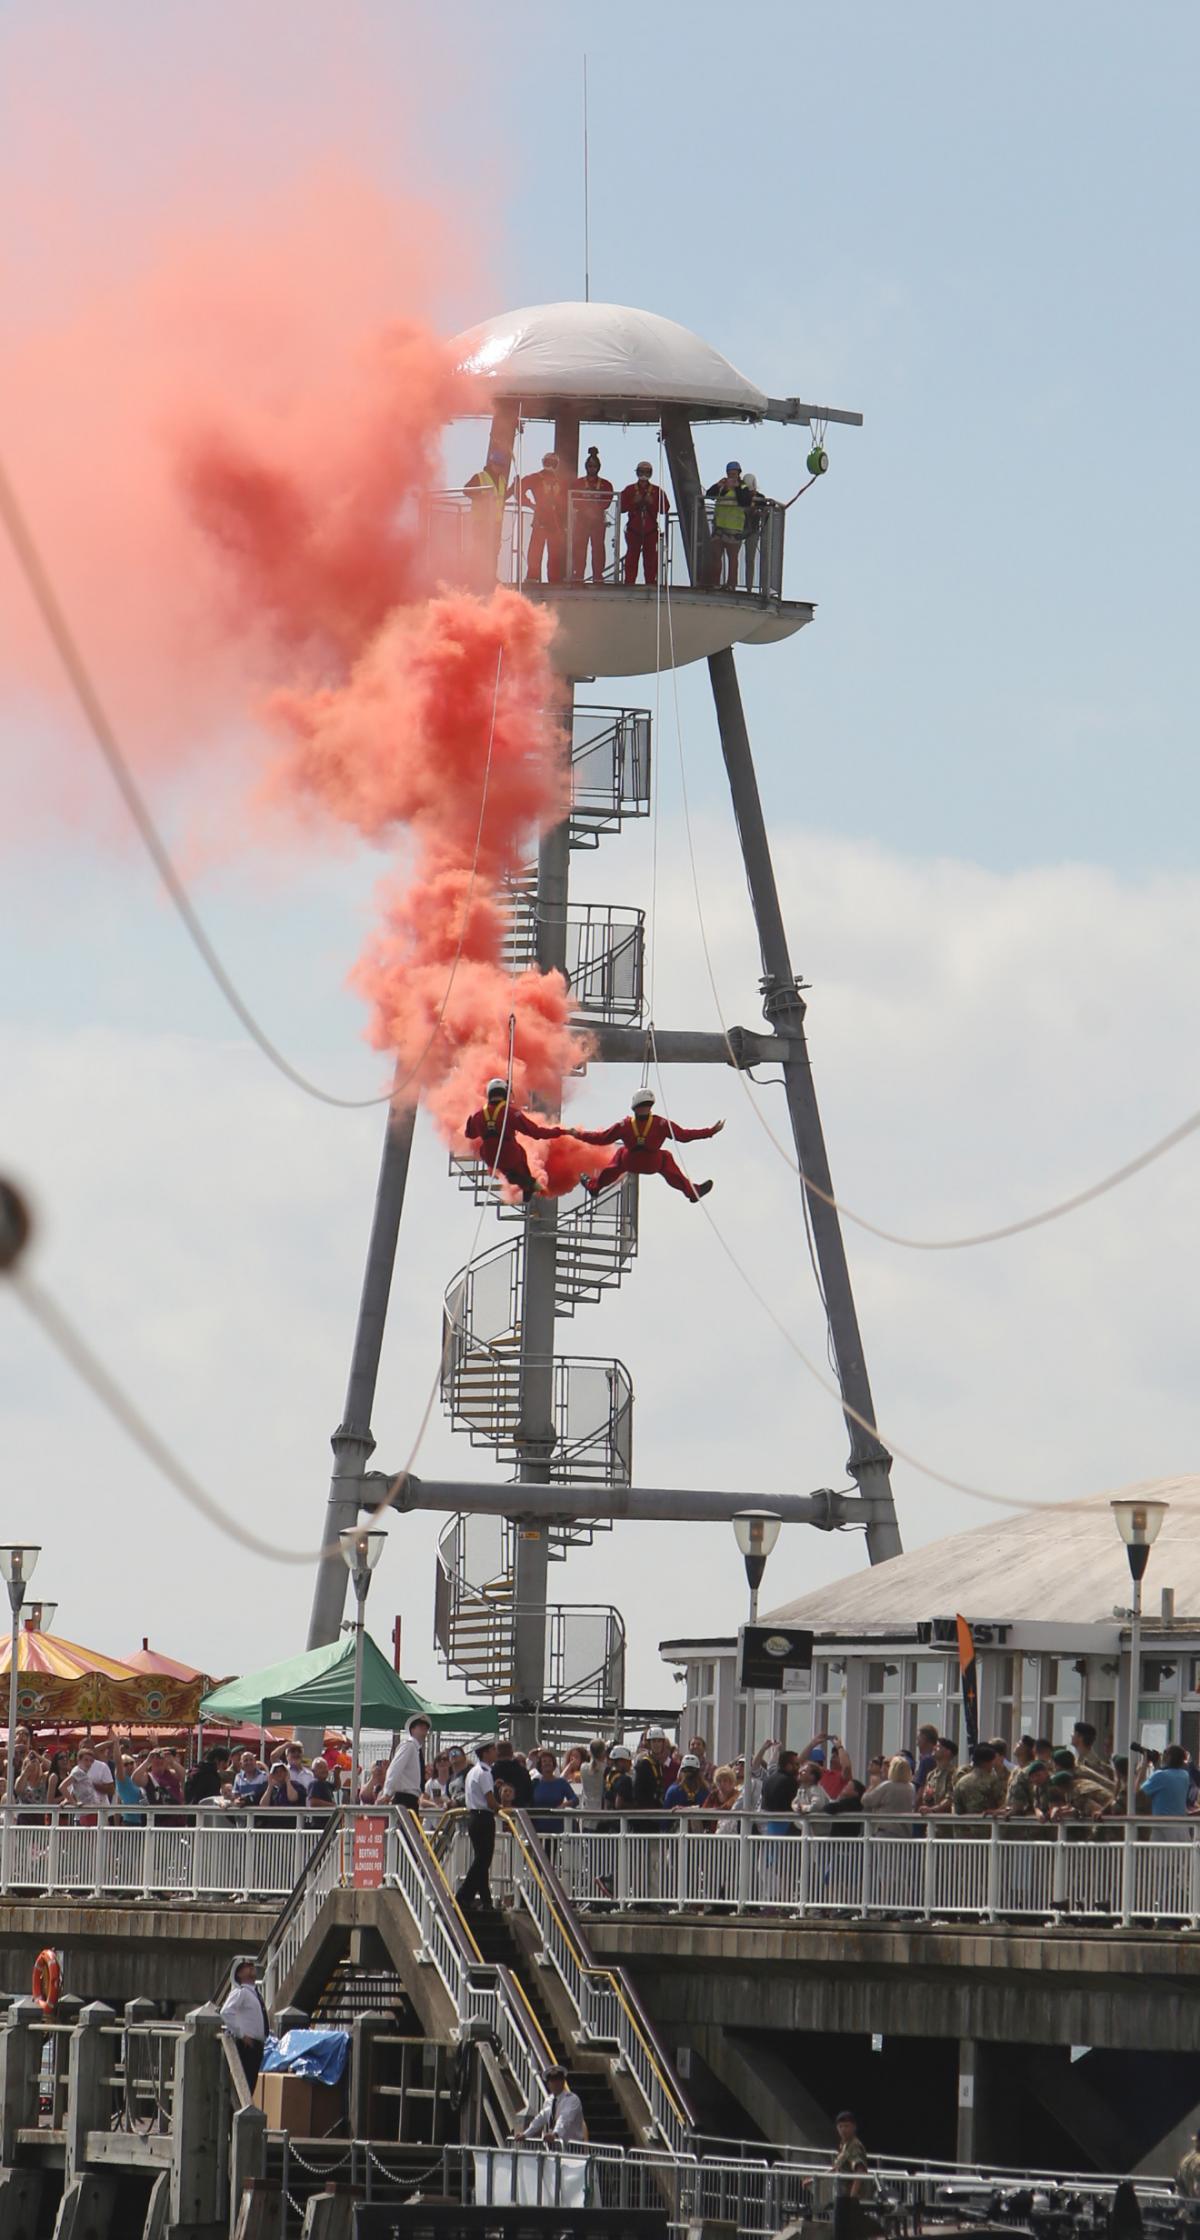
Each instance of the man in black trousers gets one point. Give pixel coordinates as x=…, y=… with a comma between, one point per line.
x=479, y=1796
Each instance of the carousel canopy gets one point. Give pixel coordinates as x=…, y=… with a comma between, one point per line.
x=317, y=1689
x=151, y=1660
x=59, y=1682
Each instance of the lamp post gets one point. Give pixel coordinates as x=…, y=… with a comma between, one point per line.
x=1138, y=1523
x=361, y=1549
x=756, y=1531
x=17, y=1565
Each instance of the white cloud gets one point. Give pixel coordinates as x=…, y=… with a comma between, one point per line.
x=982, y=1043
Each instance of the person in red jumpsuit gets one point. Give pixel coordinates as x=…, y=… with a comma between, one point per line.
x=642, y=1139
x=643, y=504
x=547, y=493
x=497, y=1128
x=591, y=497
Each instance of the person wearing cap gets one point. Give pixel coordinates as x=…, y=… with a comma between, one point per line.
x=731, y=507
x=405, y=1776
x=937, y=1791
x=851, y=2180
x=644, y=505
x=649, y=1773
x=687, y=1792
x=548, y=494
x=642, y=1139
x=757, y=513
x=591, y=497
x=497, y=1128
x=1025, y=1795
x=560, y=2122
x=980, y=1787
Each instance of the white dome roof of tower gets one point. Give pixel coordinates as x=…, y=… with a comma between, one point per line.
x=605, y=355
x=1063, y=1564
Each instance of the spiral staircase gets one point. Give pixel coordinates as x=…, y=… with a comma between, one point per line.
x=595, y=1245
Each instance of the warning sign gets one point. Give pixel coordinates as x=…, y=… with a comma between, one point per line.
x=370, y=1837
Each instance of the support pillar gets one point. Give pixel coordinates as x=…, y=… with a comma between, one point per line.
x=869, y=1461
x=20, y=2204
x=201, y=2124
x=20, y=2062
x=85, y=2211
x=89, y=2097
x=353, y=1443
x=536, y=1428
x=247, y=2156
x=330, y=2215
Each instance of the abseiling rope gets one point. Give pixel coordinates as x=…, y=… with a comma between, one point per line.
x=1056, y=1212
x=103, y=732
x=75, y=1350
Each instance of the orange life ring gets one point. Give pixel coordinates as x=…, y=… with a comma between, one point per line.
x=47, y=1981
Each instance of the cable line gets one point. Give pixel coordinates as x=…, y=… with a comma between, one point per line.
x=104, y=734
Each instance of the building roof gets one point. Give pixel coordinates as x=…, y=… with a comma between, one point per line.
x=606, y=355
x=1059, y=1564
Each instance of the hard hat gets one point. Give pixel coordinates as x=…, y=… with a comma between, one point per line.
x=656, y=1734
x=733, y=466
x=689, y=1763
x=620, y=1750
x=643, y=1096
x=497, y=1086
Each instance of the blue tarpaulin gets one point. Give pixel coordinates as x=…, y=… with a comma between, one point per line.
x=309, y=2053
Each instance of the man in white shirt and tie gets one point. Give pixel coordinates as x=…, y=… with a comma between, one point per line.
x=405, y=1777
x=560, y=2122
x=479, y=1796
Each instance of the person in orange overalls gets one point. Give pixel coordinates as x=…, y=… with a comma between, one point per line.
x=497, y=1128
x=642, y=1139
x=644, y=505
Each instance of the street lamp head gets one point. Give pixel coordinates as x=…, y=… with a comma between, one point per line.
x=361, y=1548
x=41, y=1616
x=17, y=1565
x=756, y=1531
x=1138, y=1523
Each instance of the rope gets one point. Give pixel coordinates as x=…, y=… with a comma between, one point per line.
x=104, y=734
x=79, y=1356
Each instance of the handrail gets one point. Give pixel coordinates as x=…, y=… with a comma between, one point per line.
x=640, y=2030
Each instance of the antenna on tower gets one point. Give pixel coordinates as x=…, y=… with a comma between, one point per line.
x=587, y=241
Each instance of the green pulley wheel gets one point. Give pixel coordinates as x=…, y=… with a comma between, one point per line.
x=818, y=459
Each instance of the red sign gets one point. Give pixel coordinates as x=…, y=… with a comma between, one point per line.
x=370, y=1837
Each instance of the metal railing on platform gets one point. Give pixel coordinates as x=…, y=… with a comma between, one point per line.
x=848, y=1868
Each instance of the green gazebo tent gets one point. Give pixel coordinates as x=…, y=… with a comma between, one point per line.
x=317, y=1690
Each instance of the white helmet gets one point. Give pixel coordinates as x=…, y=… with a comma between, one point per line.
x=498, y=1086
x=641, y=1096
x=689, y=1763
x=656, y=1734
x=620, y=1750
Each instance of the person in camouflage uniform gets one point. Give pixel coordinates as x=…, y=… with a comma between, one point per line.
x=937, y=1794
x=1025, y=1796
x=852, y=2183
x=1091, y=1793
x=980, y=1787
x=1087, y=1757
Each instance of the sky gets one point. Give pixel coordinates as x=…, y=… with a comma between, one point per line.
x=978, y=764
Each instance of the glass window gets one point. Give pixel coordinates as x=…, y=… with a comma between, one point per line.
x=1160, y=1676
x=883, y=1679
x=925, y=1677
x=883, y=1730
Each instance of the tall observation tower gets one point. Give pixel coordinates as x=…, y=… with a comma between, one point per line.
x=561, y=1421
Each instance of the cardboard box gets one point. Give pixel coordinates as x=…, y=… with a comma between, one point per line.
x=300, y=2105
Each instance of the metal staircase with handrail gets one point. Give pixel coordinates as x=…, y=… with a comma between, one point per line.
x=595, y=1244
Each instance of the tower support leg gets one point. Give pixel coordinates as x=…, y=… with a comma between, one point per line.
x=869, y=1461
x=353, y=1442
x=536, y=1426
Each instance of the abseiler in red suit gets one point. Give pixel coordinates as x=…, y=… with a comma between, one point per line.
x=497, y=1128
x=642, y=1139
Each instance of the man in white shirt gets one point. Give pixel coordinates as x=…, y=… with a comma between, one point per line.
x=90, y=1780
x=405, y=1777
x=561, y=2120
x=479, y=1796
x=244, y=2019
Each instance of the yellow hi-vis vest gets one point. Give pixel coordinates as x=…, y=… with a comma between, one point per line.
x=729, y=518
